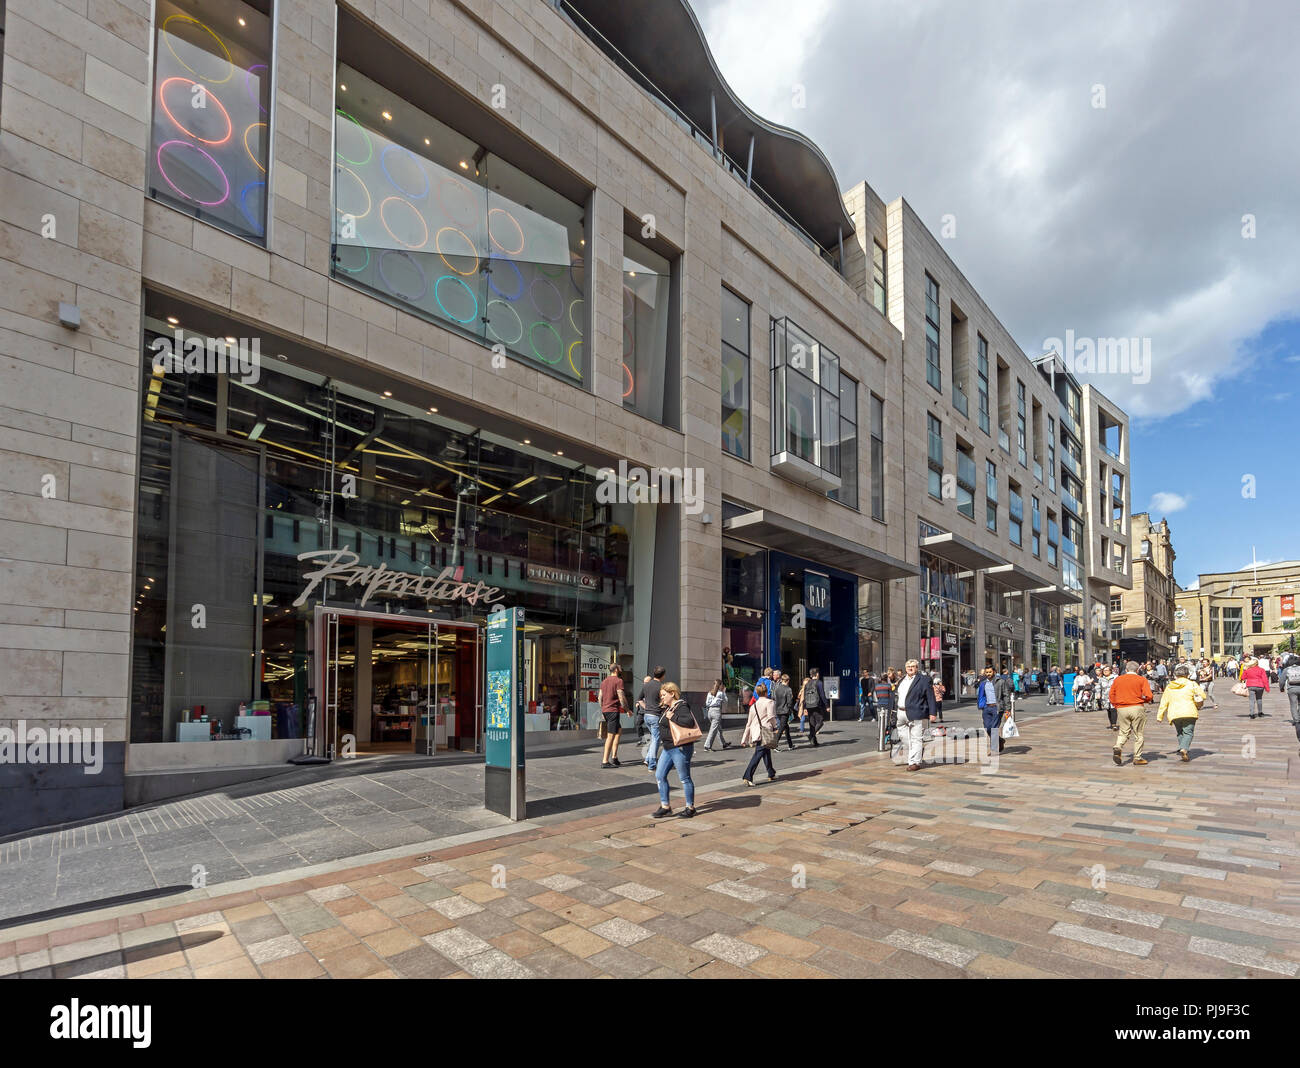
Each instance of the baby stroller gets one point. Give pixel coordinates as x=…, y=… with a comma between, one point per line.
x=1084, y=697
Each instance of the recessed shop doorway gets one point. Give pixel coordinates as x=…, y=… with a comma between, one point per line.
x=395, y=683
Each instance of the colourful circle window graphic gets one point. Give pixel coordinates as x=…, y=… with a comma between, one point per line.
x=197, y=195
x=254, y=92
x=251, y=154
x=559, y=342
x=519, y=230
x=492, y=323
x=456, y=297
x=577, y=267
x=167, y=40
x=498, y=263
x=402, y=256
x=573, y=319
x=409, y=159
x=554, y=300
x=631, y=384
x=629, y=343
x=437, y=243
x=572, y=346
x=352, y=136
x=203, y=115
x=251, y=216
x=338, y=194
x=348, y=253
x=424, y=227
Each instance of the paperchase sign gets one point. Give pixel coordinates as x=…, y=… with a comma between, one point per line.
x=342, y=565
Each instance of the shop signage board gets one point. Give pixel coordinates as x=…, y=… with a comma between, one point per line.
x=593, y=666
x=558, y=576
x=1287, y=608
x=343, y=565
x=817, y=595
x=503, y=734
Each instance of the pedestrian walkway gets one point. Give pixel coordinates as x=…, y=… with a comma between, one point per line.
x=1057, y=863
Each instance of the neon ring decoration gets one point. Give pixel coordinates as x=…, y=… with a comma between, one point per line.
x=370, y=148
x=492, y=236
x=181, y=192
x=383, y=165
x=573, y=322
x=533, y=343
x=250, y=151
x=162, y=102
x=416, y=211
x=548, y=284
x=629, y=303
x=573, y=346
x=629, y=343
x=254, y=97
x=449, y=181
x=505, y=340
x=383, y=276
x=631, y=383
x=519, y=290
x=338, y=260
x=356, y=178
x=203, y=26
x=437, y=243
x=438, y=297
x=256, y=224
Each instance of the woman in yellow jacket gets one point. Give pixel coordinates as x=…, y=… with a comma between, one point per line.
x=1182, y=702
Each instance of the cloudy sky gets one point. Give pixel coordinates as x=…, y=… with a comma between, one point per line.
x=1117, y=221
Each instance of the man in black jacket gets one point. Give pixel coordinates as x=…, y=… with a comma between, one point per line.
x=915, y=700
x=783, y=702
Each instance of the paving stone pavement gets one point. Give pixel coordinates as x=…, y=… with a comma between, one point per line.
x=1055, y=863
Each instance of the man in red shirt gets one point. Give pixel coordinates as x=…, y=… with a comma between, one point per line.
x=613, y=702
x=1130, y=694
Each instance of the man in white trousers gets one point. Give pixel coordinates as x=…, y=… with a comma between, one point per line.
x=916, y=705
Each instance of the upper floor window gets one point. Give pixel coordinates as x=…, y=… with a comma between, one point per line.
x=966, y=480
x=877, y=458
x=735, y=375
x=935, y=456
x=847, y=493
x=428, y=219
x=982, y=347
x=805, y=401
x=649, y=334
x=1036, y=527
x=991, y=495
x=880, y=294
x=209, y=149
x=1020, y=423
x=933, y=372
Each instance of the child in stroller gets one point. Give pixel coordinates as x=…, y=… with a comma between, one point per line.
x=1083, y=694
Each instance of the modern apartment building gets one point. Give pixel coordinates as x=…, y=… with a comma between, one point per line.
x=1142, y=617
x=326, y=327
x=1251, y=611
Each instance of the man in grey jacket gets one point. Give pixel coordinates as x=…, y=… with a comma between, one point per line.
x=783, y=706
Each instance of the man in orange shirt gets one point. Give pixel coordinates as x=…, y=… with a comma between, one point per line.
x=1130, y=694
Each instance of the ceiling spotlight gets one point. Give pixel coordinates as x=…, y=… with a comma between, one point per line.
x=559, y=452
x=387, y=115
x=434, y=410
x=464, y=166
x=343, y=87
x=426, y=140
x=173, y=320
x=230, y=341
x=527, y=442
x=242, y=22
x=388, y=393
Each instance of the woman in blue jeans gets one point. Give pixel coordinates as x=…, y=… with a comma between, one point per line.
x=672, y=755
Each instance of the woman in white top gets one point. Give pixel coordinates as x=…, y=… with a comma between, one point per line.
x=714, y=701
x=762, y=716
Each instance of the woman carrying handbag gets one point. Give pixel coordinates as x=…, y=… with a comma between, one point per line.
x=678, y=733
x=761, y=733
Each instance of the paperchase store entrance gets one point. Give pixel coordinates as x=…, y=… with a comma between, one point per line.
x=314, y=550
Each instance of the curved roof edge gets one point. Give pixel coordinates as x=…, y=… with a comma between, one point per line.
x=666, y=44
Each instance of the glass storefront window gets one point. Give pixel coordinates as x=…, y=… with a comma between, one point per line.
x=735, y=374
x=426, y=218
x=209, y=149
x=250, y=489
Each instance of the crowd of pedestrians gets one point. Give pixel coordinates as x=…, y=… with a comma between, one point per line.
x=911, y=701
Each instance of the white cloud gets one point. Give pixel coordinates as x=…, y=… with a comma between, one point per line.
x=1167, y=503
x=1123, y=221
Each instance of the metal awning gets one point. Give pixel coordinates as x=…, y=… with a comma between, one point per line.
x=799, y=539
x=960, y=551
x=1057, y=595
x=1015, y=576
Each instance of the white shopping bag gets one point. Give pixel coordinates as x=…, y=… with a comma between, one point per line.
x=1009, y=728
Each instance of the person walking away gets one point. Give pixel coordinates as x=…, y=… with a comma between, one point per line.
x=915, y=706
x=1006, y=695
x=613, y=702
x=649, y=699
x=714, y=702
x=783, y=708
x=1102, y=687
x=674, y=754
x=1181, y=703
x=1130, y=694
x=639, y=718
x=812, y=703
x=1290, y=676
x=1256, y=680
x=761, y=733
x=939, y=690
x=986, y=699
x=864, y=696
x=1162, y=675
x=1015, y=679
